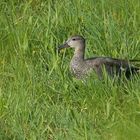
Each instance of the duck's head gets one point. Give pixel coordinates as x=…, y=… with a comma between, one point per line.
x=76, y=42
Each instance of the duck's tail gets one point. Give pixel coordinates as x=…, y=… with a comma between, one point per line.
x=137, y=63
x=132, y=71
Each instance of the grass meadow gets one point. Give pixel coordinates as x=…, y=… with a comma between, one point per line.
x=39, y=99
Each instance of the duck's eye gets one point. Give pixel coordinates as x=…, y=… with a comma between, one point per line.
x=73, y=39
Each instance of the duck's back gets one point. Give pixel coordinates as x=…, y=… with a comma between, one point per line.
x=112, y=66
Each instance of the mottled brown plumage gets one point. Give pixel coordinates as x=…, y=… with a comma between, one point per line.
x=80, y=66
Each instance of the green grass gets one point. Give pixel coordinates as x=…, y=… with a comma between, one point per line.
x=39, y=99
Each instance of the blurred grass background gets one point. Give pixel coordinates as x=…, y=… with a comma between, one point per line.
x=39, y=99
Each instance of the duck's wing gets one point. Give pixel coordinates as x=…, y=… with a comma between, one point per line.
x=118, y=66
x=113, y=66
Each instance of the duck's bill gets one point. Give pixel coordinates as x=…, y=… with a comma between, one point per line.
x=65, y=45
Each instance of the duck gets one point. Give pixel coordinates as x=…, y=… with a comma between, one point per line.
x=80, y=66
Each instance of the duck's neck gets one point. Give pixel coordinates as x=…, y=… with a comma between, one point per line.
x=79, y=54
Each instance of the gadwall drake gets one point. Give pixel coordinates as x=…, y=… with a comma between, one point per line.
x=80, y=66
